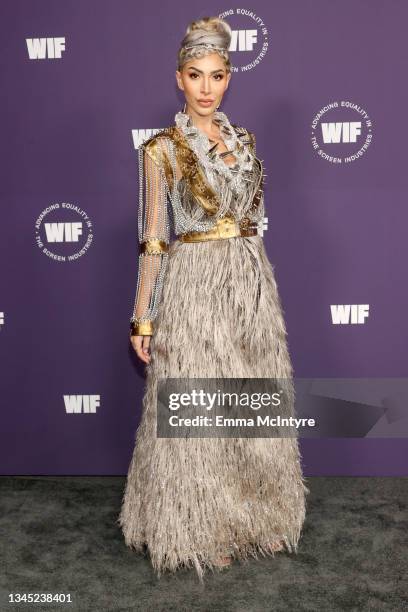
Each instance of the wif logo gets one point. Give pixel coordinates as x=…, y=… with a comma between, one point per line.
x=1, y=319
x=81, y=404
x=243, y=40
x=63, y=232
x=45, y=48
x=66, y=225
x=249, y=40
x=346, y=314
x=341, y=132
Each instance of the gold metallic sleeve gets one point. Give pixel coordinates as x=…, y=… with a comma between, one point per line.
x=145, y=328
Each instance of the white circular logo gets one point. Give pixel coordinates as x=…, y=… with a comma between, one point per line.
x=63, y=232
x=341, y=132
x=249, y=41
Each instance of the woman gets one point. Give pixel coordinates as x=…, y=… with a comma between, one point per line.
x=207, y=306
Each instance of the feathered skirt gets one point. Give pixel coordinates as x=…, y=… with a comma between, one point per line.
x=192, y=500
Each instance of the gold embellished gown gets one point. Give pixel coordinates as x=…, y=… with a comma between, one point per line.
x=209, y=301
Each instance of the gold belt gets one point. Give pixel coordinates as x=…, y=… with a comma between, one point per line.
x=224, y=228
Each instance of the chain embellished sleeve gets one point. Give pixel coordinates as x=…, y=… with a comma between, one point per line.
x=260, y=212
x=154, y=238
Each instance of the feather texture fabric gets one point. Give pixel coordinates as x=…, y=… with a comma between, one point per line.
x=193, y=500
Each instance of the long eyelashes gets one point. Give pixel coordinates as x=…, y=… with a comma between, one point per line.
x=194, y=74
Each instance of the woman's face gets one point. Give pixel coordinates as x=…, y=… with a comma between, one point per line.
x=203, y=79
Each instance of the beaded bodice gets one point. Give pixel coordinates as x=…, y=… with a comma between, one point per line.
x=183, y=177
x=234, y=183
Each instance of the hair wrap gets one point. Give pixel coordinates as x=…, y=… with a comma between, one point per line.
x=204, y=36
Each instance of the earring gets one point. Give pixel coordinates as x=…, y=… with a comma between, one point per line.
x=184, y=108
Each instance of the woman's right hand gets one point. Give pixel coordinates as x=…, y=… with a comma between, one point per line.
x=141, y=345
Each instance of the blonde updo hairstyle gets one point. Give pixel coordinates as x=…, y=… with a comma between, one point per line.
x=208, y=30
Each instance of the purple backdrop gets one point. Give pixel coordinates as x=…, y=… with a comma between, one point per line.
x=82, y=82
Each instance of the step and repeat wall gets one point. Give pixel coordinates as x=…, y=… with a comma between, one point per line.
x=322, y=85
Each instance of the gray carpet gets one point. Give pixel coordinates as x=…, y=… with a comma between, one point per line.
x=58, y=535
